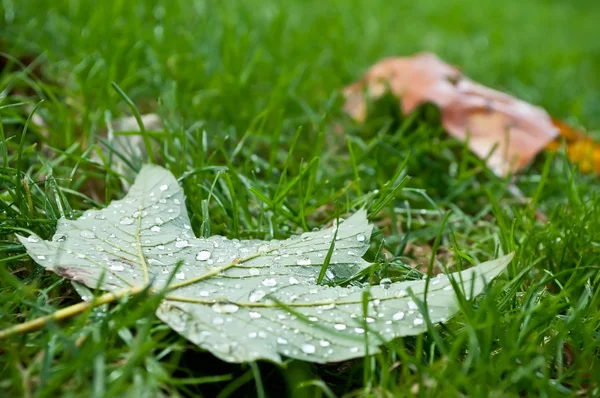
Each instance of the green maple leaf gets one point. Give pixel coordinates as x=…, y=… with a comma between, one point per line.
x=252, y=299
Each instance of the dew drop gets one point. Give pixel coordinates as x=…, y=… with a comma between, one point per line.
x=308, y=348
x=41, y=257
x=61, y=238
x=353, y=349
x=412, y=305
x=86, y=233
x=228, y=308
x=126, y=221
x=159, y=221
x=359, y=330
x=218, y=321
x=155, y=228
x=203, y=255
x=33, y=239
x=180, y=275
x=418, y=321
x=324, y=343
x=448, y=288
x=181, y=244
x=263, y=249
x=385, y=283
x=117, y=267
x=303, y=260
x=176, y=201
x=398, y=316
x=360, y=238
x=254, y=271
x=281, y=340
x=269, y=282
x=164, y=187
x=256, y=295
x=254, y=315
x=339, y=326
x=252, y=335
x=204, y=293
x=401, y=293
x=329, y=273
x=293, y=281
x=369, y=319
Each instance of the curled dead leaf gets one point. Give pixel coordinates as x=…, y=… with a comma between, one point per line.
x=505, y=131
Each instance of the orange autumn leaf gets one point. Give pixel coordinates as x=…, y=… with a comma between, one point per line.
x=511, y=130
x=581, y=149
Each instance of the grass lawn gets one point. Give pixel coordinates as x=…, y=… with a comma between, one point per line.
x=253, y=88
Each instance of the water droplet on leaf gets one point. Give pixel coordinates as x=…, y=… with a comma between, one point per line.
x=126, y=221
x=86, y=233
x=203, y=255
x=308, y=348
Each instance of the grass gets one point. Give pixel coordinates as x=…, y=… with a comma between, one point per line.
x=249, y=96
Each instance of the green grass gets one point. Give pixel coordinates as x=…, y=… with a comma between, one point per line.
x=249, y=96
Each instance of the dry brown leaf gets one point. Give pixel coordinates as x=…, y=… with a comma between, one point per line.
x=511, y=130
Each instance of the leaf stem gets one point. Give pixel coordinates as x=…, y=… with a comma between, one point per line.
x=68, y=312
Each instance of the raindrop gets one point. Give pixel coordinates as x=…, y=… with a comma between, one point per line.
x=181, y=244
x=159, y=221
x=398, y=316
x=329, y=273
x=176, y=201
x=303, y=260
x=418, y=321
x=263, y=249
x=339, y=326
x=33, y=239
x=281, y=340
x=313, y=318
x=254, y=271
x=180, y=275
x=203, y=255
x=359, y=330
x=254, y=315
x=293, y=281
x=269, y=282
x=385, y=283
x=61, y=238
x=126, y=221
x=353, y=349
x=448, y=288
x=369, y=319
x=324, y=343
x=155, y=228
x=360, y=238
x=308, y=348
x=228, y=308
x=41, y=257
x=117, y=267
x=218, y=321
x=256, y=296
x=252, y=335
x=164, y=187
x=204, y=293
x=86, y=233
x=412, y=305
x=401, y=293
